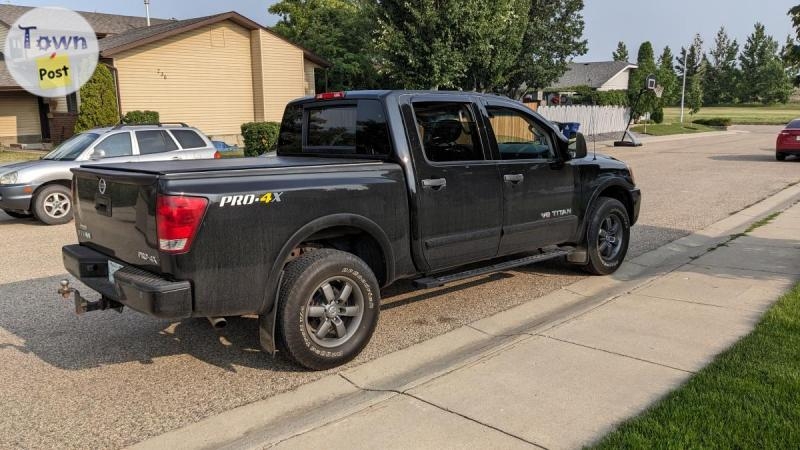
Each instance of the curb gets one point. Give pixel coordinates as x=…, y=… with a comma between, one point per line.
x=646, y=139
x=337, y=396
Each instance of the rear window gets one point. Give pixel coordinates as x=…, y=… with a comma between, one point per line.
x=188, y=139
x=350, y=129
x=795, y=124
x=155, y=141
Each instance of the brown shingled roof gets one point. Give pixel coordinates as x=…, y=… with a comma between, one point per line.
x=104, y=24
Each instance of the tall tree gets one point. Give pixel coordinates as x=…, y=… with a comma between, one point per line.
x=99, y=107
x=791, y=51
x=553, y=36
x=722, y=75
x=647, y=102
x=621, y=53
x=763, y=76
x=488, y=45
x=666, y=77
x=337, y=30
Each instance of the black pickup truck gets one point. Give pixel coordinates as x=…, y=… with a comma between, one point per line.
x=366, y=188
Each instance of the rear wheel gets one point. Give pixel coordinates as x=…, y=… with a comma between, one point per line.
x=328, y=308
x=17, y=214
x=53, y=205
x=780, y=156
x=608, y=236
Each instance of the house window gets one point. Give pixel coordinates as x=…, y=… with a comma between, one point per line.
x=72, y=103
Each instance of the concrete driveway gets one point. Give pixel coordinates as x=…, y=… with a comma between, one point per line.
x=108, y=380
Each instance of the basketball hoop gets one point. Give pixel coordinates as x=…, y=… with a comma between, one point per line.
x=659, y=91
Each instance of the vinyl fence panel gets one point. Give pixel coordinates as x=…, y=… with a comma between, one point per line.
x=593, y=119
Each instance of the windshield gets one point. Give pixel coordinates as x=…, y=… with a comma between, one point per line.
x=72, y=147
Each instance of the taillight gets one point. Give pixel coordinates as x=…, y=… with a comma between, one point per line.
x=329, y=96
x=177, y=220
x=217, y=155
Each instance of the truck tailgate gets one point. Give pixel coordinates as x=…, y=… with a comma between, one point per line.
x=115, y=214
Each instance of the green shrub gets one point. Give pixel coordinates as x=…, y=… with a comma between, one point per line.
x=259, y=137
x=141, y=117
x=98, y=101
x=658, y=115
x=722, y=122
x=584, y=95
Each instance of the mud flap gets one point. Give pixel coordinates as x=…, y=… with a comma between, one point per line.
x=267, y=321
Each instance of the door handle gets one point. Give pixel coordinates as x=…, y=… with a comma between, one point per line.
x=514, y=179
x=436, y=184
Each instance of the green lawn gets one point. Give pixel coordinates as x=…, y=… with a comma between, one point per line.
x=748, y=398
x=7, y=156
x=741, y=114
x=666, y=129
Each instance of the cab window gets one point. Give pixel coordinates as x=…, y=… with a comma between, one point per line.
x=518, y=136
x=116, y=145
x=448, y=132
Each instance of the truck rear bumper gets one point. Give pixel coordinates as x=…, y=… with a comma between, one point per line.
x=137, y=289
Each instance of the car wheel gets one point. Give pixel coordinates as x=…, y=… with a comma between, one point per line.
x=780, y=156
x=328, y=308
x=17, y=214
x=608, y=236
x=53, y=205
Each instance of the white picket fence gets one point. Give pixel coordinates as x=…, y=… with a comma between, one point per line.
x=593, y=119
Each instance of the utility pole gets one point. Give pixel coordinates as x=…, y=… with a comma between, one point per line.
x=683, y=91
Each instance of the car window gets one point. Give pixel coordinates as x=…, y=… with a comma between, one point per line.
x=448, y=132
x=188, y=138
x=351, y=129
x=518, y=136
x=116, y=145
x=155, y=141
x=72, y=147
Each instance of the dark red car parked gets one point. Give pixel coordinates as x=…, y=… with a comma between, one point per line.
x=788, y=142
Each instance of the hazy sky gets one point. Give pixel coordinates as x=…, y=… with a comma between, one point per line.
x=671, y=22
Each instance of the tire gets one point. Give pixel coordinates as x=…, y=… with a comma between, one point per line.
x=18, y=215
x=53, y=205
x=609, y=219
x=780, y=156
x=318, y=327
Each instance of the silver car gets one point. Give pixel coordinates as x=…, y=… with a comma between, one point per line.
x=42, y=188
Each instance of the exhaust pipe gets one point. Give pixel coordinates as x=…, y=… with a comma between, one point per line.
x=218, y=322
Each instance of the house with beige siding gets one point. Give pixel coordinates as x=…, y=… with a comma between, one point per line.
x=213, y=72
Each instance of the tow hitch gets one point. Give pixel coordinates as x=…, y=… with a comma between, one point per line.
x=84, y=305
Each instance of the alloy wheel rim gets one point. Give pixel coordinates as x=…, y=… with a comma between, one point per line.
x=334, y=312
x=57, y=205
x=610, y=238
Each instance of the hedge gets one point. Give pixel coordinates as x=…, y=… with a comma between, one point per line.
x=141, y=117
x=584, y=95
x=259, y=137
x=722, y=122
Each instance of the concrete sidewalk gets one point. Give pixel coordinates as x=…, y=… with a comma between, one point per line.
x=557, y=372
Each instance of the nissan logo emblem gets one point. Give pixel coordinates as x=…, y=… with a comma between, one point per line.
x=101, y=186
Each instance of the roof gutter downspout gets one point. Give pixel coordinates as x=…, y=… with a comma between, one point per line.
x=115, y=74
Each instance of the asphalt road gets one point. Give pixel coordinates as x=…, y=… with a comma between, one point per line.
x=109, y=379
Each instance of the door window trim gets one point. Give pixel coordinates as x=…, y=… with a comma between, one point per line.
x=471, y=107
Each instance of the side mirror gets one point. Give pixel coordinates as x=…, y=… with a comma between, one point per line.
x=577, y=147
x=97, y=154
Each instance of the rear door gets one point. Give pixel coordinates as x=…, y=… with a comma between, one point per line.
x=459, y=196
x=539, y=191
x=117, y=147
x=156, y=145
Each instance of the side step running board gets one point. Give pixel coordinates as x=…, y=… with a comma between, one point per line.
x=439, y=281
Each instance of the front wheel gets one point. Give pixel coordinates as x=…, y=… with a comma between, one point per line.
x=608, y=236
x=328, y=308
x=53, y=205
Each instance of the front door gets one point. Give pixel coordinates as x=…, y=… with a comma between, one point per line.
x=459, y=197
x=538, y=184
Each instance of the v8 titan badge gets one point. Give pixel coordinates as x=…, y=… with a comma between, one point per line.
x=51, y=52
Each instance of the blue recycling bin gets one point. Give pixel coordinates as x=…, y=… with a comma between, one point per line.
x=570, y=129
